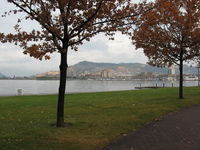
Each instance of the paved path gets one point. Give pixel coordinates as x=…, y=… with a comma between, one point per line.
x=176, y=131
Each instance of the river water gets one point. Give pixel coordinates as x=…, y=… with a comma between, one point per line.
x=40, y=87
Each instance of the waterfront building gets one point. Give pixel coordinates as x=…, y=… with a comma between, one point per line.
x=172, y=70
x=70, y=72
x=86, y=72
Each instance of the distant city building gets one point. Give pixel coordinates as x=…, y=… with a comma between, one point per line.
x=104, y=73
x=54, y=73
x=110, y=73
x=107, y=73
x=172, y=70
x=87, y=72
x=70, y=72
x=49, y=74
x=98, y=73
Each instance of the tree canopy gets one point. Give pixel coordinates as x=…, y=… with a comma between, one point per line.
x=171, y=28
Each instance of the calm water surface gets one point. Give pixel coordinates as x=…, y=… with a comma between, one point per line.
x=37, y=87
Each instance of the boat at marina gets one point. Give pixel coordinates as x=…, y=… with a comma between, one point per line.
x=190, y=78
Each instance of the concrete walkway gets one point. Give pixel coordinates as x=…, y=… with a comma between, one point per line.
x=176, y=131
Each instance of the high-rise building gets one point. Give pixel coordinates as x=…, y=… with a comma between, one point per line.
x=87, y=72
x=110, y=73
x=107, y=73
x=172, y=70
x=70, y=72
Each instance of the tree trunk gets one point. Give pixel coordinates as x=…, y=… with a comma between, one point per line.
x=61, y=95
x=181, y=76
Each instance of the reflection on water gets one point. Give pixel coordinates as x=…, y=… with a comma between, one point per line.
x=35, y=87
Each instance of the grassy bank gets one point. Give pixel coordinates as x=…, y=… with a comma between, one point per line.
x=97, y=118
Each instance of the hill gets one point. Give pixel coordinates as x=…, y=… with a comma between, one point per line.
x=1, y=75
x=121, y=68
x=127, y=68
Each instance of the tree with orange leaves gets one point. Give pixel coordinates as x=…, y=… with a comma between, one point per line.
x=67, y=24
x=169, y=33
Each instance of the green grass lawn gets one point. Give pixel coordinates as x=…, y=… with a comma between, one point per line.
x=97, y=118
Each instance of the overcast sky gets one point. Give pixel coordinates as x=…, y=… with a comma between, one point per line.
x=99, y=49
